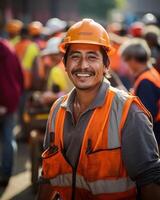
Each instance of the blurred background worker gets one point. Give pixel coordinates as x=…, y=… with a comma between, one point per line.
x=35, y=30
x=55, y=27
x=57, y=82
x=152, y=36
x=13, y=28
x=26, y=51
x=11, y=87
x=137, y=55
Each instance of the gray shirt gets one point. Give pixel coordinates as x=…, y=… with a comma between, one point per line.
x=139, y=146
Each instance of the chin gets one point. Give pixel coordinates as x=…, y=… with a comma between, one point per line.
x=86, y=87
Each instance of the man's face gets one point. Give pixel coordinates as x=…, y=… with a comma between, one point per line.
x=134, y=66
x=85, y=66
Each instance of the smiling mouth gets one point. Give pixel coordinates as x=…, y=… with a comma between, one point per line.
x=84, y=74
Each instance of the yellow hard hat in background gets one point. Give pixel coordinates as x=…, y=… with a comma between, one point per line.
x=87, y=31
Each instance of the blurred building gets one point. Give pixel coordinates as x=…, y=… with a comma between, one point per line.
x=38, y=9
x=140, y=7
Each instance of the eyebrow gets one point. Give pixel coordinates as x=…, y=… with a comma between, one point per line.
x=72, y=52
x=89, y=52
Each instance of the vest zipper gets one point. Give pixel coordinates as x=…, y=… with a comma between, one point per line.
x=74, y=170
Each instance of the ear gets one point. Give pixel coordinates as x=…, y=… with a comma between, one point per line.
x=105, y=70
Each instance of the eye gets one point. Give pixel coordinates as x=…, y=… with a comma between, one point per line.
x=75, y=56
x=92, y=57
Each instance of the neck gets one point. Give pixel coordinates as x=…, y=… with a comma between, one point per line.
x=85, y=97
x=140, y=69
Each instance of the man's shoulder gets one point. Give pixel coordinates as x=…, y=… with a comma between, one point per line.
x=120, y=95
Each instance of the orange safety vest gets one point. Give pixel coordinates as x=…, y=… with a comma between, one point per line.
x=100, y=173
x=153, y=76
x=21, y=48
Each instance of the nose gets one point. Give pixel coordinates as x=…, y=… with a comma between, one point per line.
x=83, y=63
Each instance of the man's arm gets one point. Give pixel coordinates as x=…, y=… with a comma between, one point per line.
x=140, y=154
x=147, y=92
x=151, y=191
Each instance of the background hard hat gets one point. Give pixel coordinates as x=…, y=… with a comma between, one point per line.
x=87, y=31
x=55, y=25
x=136, y=29
x=149, y=19
x=14, y=26
x=35, y=28
x=52, y=46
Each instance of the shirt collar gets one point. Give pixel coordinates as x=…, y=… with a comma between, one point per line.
x=98, y=101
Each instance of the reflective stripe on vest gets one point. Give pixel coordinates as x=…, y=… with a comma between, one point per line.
x=114, y=140
x=96, y=187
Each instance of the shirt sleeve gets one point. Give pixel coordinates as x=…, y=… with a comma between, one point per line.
x=139, y=148
x=146, y=91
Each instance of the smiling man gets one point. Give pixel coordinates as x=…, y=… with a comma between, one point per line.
x=99, y=141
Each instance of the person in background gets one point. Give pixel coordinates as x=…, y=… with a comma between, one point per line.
x=55, y=27
x=99, y=141
x=118, y=35
x=57, y=82
x=26, y=51
x=13, y=28
x=137, y=55
x=152, y=36
x=11, y=88
x=35, y=29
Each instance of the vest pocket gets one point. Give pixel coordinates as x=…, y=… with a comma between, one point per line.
x=102, y=163
x=53, y=162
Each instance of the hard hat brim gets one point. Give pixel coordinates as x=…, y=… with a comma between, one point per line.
x=110, y=50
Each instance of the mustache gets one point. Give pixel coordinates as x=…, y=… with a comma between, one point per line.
x=74, y=71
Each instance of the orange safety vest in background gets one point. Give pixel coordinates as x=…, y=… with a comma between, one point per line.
x=100, y=173
x=153, y=76
x=21, y=48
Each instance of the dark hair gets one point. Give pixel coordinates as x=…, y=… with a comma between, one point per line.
x=106, y=60
x=136, y=49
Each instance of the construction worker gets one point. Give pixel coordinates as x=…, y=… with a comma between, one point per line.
x=99, y=140
x=27, y=51
x=57, y=80
x=35, y=30
x=55, y=27
x=136, y=54
x=152, y=36
x=13, y=28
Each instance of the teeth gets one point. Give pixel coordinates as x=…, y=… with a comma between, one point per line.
x=83, y=75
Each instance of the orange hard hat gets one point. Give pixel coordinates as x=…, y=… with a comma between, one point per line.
x=14, y=26
x=87, y=31
x=35, y=28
